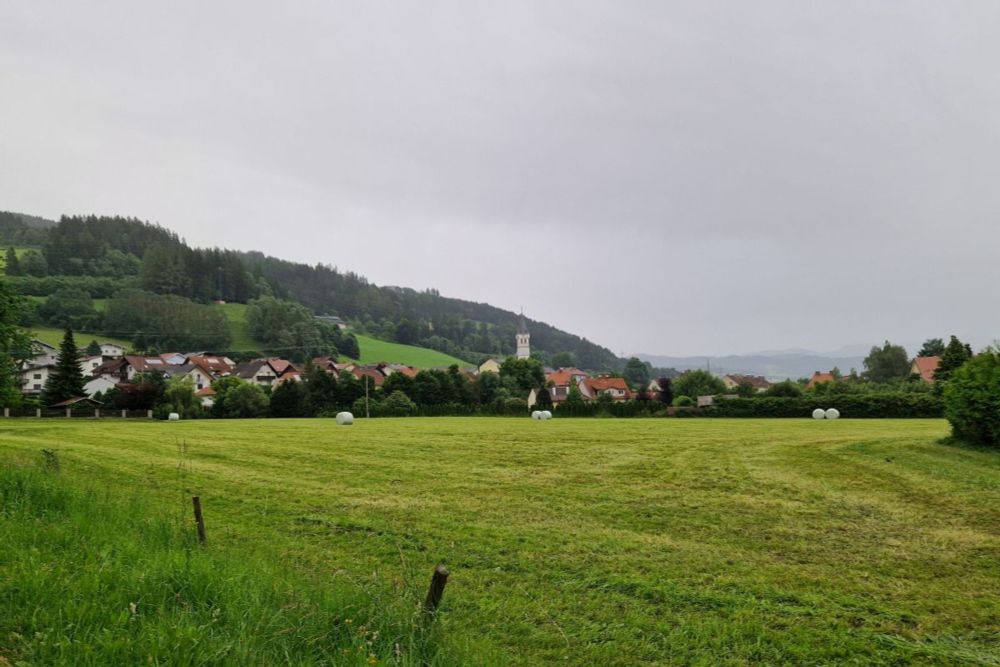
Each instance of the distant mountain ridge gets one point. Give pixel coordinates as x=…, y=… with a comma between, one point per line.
x=774, y=366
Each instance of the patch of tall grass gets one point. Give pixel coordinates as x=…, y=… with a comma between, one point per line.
x=90, y=575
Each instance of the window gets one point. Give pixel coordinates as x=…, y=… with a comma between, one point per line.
x=37, y=386
x=38, y=376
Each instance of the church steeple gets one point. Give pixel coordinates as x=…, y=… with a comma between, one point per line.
x=523, y=338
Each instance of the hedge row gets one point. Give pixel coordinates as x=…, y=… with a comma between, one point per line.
x=886, y=405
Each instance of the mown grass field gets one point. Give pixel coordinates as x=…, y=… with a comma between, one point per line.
x=579, y=542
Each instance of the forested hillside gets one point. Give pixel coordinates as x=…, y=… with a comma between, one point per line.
x=106, y=257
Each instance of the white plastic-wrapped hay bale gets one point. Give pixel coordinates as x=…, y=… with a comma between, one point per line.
x=546, y=415
x=173, y=417
x=833, y=413
x=819, y=413
x=536, y=414
x=345, y=418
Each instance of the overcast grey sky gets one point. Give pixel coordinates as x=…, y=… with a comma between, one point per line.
x=676, y=178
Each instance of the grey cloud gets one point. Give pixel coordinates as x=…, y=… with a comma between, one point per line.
x=679, y=178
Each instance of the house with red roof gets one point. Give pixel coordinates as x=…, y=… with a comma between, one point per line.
x=616, y=388
x=925, y=367
x=820, y=378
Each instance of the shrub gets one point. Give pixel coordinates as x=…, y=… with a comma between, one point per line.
x=683, y=402
x=398, y=404
x=972, y=399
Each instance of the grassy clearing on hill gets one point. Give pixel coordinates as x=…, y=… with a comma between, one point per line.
x=54, y=337
x=713, y=542
x=236, y=313
x=374, y=350
x=18, y=250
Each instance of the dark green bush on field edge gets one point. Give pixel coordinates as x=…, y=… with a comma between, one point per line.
x=887, y=406
x=972, y=399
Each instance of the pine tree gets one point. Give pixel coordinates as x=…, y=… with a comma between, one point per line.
x=94, y=349
x=13, y=266
x=66, y=380
x=955, y=354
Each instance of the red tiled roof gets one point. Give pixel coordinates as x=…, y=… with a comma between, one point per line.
x=280, y=366
x=756, y=381
x=215, y=364
x=605, y=383
x=564, y=376
x=360, y=373
x=820, y=378
x=207, y=391
x=926, y=367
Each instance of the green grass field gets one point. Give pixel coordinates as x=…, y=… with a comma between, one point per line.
x=54, y=337
x=374, y=350
x=236, y=313
x=578, y=542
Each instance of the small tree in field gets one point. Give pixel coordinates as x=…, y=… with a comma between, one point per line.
x=94, y=349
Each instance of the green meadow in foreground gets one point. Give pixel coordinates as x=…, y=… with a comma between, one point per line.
x=580, y=542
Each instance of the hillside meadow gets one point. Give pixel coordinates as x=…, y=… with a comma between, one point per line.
x=578, y=542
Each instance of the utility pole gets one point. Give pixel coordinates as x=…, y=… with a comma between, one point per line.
x=367, y=412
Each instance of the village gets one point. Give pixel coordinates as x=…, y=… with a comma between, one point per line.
x=108, y=367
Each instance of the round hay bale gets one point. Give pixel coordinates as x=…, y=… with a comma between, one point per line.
x=536, y=415
x=833, y=413
x=819, y=413
x=345, y=418
x=546, y=414
x=173, y=417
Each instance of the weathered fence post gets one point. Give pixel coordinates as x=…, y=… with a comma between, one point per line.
x=149, y=414
x=69, y=412
x=199, y=521
x=97, y=413
x=436, y=590
x=6, y=412
x=38, y=412
x=123, y=414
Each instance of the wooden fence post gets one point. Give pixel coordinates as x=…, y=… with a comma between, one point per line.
x=38, y=412
x=69, y=412
x=123, y=414
x=97, y=413
x=199, y=521
x=436, y=590
x=6, y=412
x=149, y=414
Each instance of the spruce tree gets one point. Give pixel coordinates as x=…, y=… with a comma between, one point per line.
x=66, y=380
x=94, y=349
x=13, y=266
x=955, y=354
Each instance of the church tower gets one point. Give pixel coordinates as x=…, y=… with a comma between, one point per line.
x=523, y=339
